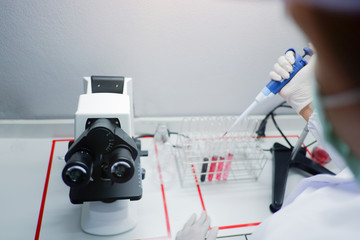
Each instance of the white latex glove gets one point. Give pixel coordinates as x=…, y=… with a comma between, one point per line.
x=197, y=229
x=297, y=92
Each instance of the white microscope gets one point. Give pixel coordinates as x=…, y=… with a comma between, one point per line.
x=103, y=167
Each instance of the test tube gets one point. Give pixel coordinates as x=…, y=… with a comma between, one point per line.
x=212, y=168
x=220, y=168
x=227, y=166
x=204, y=169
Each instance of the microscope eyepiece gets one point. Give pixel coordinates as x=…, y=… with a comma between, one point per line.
x=121, y=165
x=78, y=168
x=120, y=169
x=75, y=174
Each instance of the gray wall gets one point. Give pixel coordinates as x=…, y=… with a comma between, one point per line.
x=186, y=57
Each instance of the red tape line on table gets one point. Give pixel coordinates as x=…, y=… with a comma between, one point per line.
x=162, y=191
x=43, y=200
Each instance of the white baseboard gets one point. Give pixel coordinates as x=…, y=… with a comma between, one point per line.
x=57, y=128
x=64, y=128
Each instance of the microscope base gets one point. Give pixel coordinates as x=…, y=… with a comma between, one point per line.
x=99, y=218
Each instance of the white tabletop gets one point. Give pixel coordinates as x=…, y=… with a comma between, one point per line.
x=35, y=203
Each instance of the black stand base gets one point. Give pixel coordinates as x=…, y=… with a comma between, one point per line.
x=281, y=166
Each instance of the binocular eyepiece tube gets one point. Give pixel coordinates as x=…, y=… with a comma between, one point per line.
x=78, y=169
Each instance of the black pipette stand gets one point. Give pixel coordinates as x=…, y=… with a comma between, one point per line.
x=284, y=159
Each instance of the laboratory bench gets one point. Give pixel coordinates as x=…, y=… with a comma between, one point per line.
x=35, y=201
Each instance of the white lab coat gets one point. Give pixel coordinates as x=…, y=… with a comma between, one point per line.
x=320, y=207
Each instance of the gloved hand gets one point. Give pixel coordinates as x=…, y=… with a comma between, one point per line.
x=197, y=229
x=297, y=92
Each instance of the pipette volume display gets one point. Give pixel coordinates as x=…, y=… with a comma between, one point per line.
x=273, y=87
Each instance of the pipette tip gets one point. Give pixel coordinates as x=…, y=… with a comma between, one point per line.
x=224, y=134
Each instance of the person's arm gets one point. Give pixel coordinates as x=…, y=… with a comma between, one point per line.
x=306, y=112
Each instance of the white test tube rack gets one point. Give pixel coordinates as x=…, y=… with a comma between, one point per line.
x=203, y=156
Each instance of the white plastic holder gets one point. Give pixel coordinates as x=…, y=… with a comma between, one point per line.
x=104, y=219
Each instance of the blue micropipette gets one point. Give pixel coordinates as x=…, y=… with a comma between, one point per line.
x=273, y=87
